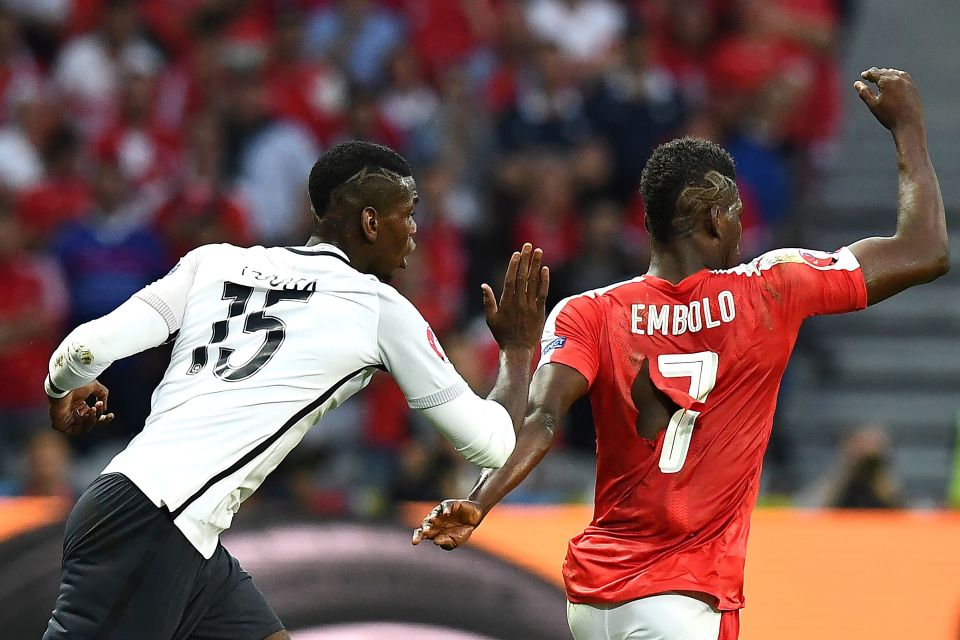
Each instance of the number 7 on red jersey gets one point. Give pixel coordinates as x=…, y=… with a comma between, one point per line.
x=701, y=368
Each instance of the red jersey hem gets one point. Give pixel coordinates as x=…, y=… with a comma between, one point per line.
x=652, y=589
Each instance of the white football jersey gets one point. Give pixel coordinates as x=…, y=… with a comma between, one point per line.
x=267, y=341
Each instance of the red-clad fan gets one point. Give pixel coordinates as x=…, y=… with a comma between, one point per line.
x=311, y=91
x=146, y=149
x=682, y=366
x=63, y=195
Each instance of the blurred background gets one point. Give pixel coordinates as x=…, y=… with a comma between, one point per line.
x=134, y=131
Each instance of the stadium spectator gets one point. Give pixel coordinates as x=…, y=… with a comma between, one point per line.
x=635, y=106
x=202, y=209
x=410, y=106
x=311, y=91
x=23, y=138
x=19, y=70
x=63, y=195
x=357, y=33
x=111, y=253
x=548, y=110
x=32, y=312
x=862, y=477
x=550, y=214
x=446, y=33
x=586, y=30
x=89, y=66
x=145, y=148
x=265, y=156
x=48, y=466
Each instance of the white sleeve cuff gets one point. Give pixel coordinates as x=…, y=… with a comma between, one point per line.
x=440, y=397
x=52, y=390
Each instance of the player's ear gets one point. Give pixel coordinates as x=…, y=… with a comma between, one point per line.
x=369, y=224
x=713, y=222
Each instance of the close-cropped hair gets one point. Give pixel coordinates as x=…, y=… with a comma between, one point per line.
x=352, y=171
x=681, y=179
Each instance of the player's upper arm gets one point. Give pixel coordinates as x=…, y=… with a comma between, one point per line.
x=553, y=390
x=804, y=283
x=168, y=295
x=481, y=430
x=889, y=267
x=411, y=353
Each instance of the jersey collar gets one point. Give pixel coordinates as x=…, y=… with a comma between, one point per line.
x=321, y=249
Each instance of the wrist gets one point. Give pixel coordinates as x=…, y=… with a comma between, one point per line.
x=517, y=350
x=910, y=131
x=53, y=391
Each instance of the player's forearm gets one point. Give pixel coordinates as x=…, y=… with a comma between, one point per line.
x=921, y=220
x=513, y=383
x=533, y=443
x=92, y=347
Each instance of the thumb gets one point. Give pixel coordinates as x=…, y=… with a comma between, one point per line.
x=100, y=391
x=489, y=301
x=863, y=90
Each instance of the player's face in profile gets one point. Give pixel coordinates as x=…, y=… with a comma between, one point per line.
x=395, y=239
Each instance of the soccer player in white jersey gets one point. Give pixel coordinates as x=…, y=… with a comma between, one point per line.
x=267, y=340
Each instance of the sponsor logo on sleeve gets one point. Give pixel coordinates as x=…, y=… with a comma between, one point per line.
x=556, y=343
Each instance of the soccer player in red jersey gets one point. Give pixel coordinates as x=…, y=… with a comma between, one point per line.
x=682, y=366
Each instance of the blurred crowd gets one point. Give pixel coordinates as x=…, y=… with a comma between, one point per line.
x=133, y=131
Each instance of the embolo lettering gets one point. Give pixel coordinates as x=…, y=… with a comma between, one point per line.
x=677, y=319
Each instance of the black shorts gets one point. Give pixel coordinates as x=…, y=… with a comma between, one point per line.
x=130, y=574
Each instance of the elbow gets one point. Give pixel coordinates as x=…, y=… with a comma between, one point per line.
x=497, y=451
x=942, y=264
x=937, y=265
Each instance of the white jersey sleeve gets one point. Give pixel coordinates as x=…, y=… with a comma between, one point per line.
x=93, y=346
x=412, y=355
x=168, y=295
x=147, y=319
x=481, y=430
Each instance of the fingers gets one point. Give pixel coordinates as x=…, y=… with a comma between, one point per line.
x=445, y=542
x=425, y=531
x=544, y=289
x=871, y=75
x=101, y=393
x=878, y=76
x=489, y=301
x=510, y=279
x=523, y=271
x=533, y=276
x=865, y=93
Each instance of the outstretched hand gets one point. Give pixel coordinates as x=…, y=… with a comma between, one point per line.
x=450, y=524
x=517, y=321
x=897, y=101
x=71, y=414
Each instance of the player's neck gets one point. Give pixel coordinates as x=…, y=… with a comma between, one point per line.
x=676, y=262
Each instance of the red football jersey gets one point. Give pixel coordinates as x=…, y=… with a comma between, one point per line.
x=674, y=513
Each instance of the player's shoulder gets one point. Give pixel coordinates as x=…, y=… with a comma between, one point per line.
x=394, y=306
x=211, y=252
x=593, y=300
x=794, y=258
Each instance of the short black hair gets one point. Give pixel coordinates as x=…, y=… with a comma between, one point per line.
x=344, y=161
x=672, y=168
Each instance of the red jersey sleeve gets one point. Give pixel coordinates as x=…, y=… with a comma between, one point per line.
x=571, y=336
x=813, y=283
